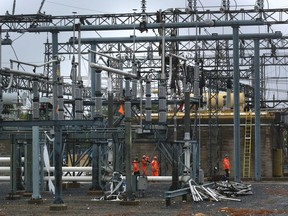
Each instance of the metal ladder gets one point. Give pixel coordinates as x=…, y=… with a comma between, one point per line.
x=247, y=145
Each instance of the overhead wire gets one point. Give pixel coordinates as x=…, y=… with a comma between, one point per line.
x=65, y=5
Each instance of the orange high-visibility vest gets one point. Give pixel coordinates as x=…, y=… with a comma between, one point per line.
x=135, y=166
x=155, y=168
x=226, y=163
x=144, y=164
x=121, y=110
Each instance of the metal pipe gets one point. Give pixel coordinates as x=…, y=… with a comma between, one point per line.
x=32, y=65
x=213, y=37
x=7, y=159
x=17, y=72
x=207, y=23
x=89, y=178
x=113, y=70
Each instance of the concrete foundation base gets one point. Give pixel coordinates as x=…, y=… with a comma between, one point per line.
x=27, y=194
x=95, y=192
x=35, y=201
x=130, y=202
x=58, y=207
x=20, y=192
x=13, y=196
x=73, y=185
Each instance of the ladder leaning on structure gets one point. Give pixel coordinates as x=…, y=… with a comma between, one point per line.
x=247, y=145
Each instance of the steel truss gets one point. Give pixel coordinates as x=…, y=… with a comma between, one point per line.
x=148, y=52
x=215, y=54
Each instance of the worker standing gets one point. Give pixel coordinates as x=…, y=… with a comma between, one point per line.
x=155, y=166
x=135, y=166
x=144, y=165
x=226, y=166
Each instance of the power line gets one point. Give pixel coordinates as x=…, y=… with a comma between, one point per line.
x=56, y=3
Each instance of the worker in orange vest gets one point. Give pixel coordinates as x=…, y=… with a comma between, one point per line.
x=121, y=110
x=226, y=165
x=144, y=165
x=135, y=166
x=155, y=166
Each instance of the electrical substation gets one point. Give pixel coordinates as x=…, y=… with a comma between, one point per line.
x=186, y=84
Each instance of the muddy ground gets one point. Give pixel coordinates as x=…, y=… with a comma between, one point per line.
x=268, y=198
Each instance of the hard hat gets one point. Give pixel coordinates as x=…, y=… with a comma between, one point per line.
x=226, y=155
x=144, y=156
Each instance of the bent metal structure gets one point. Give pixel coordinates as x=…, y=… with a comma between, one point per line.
x=82, y=119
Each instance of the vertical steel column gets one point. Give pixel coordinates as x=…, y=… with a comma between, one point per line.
x=98, y=94
x=134, y=81
x=1, y=88
x=121, y=88
x=110, y=158
x=175, y=166
x=73, y=78
x=162, y=87
x=79, y=86
x=110, y=102
x=35, y=163
x=13, y=166
x=96, y=170
x=35, y=144
x=79, y=100
x=187, y=136
x=79, y=76
x=236, y=87
x=257, y=111
x=195, y=157
x=19, y=185
x=60, y=99
x=96, y=167
x=196, y=81
x=28, y=166
x=92, y=58
x=128, y=140
x=148, y=105
x=57, y=129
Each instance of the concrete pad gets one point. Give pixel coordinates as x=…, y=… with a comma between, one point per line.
x=95, y=192
x=35, y=201
x=130, y=202
x=13, y=196
x=27, y=194
x=58, y=207
x=73, y=185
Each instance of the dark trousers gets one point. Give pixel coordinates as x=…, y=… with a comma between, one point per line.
x=227, y=174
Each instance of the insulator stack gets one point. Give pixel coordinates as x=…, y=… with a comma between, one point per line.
x=143, y=7
x=259, y=4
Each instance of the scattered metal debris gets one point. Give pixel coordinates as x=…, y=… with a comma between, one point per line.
x=218, y=191
x=116, y=189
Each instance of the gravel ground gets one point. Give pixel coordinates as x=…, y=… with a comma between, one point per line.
x=268, y=198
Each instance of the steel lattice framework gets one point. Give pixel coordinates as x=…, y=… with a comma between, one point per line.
x=147, y=48
x=186, y=33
